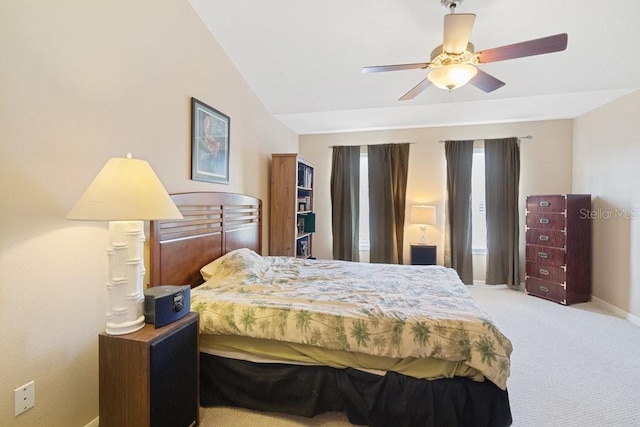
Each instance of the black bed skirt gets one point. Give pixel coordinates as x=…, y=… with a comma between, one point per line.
x=367, y=399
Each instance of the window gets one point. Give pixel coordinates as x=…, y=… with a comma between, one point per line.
x=478, y=214
x=363, y=238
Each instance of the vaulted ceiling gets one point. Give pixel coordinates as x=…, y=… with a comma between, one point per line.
x=303, y=59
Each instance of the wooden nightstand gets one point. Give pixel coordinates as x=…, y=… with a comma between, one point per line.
x=150, y=377
x=423, y=254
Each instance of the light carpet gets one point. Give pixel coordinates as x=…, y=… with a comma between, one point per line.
x=571, y=366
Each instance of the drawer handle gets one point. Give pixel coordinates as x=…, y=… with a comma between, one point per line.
x=544, y=272
x=544, y=288
x=544, y=220
x=544, y=238
x=543, y=255
x=544, y=204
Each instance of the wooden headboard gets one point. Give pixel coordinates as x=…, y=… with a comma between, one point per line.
x=214, y=223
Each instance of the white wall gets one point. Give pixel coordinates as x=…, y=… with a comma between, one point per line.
x=545, y=168
x=83, y=81
x=606, y=161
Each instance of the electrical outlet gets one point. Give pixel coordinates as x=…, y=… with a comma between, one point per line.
x=24, y=397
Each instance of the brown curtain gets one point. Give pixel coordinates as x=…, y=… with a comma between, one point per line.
x=458, y=255
x=502, y=179
x=388, y=168
x=345, y=202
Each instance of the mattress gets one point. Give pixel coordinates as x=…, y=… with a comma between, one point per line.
x=280, y=352
x=374, y=316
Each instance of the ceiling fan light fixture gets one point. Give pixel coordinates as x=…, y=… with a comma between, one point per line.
x=453, y=76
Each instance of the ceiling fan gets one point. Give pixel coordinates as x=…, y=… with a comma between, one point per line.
x=453, y=64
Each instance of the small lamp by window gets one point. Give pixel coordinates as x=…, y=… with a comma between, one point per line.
x=423, y=215
x=125, y=192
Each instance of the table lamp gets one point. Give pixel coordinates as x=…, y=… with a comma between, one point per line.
x=423, y=215
x=125, y=192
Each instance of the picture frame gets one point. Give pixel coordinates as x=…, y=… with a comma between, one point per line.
x=210, y=143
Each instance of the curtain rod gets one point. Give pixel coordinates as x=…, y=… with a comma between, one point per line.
x=519, y=137
x=367, y=145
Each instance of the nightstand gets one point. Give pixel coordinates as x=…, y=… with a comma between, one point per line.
x=150, y=377
x=423, y=254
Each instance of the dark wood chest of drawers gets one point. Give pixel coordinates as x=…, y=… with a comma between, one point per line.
x=558, y=249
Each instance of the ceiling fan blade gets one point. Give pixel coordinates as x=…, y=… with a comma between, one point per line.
x=540, y=46
x=457, y=31
x=486, y=82
x=381, y=68
x=416, y=90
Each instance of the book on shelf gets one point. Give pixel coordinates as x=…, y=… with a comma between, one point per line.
x=305, y=176
x=306, y=223
x=304, y=204
x=302, y=249
x=309, y=223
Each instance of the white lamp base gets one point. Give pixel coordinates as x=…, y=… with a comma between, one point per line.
x=126, y=274
x=423, y=234
x=125, y=327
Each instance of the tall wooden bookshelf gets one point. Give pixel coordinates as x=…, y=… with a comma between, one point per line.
x=292, y=220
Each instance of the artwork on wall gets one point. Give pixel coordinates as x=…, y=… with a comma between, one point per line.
x=209, y=143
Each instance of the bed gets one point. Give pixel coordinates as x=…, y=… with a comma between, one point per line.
x=292, y=335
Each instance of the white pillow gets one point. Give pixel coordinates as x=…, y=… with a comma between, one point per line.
x=234, y=262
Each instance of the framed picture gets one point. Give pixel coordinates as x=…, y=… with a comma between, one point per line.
x=209, y=143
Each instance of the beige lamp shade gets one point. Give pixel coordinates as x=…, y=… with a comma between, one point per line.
x=423, y=215
x=124, y=190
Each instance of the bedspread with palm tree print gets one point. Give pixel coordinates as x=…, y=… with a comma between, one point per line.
x=387, y=310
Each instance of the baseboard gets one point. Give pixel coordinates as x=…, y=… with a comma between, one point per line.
x=617, y=311
x=94, y=423
x=633, y=319
x=482, y=283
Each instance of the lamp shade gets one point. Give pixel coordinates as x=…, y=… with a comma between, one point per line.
x=124, y=190
x=452, y=76
x=423, y=215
